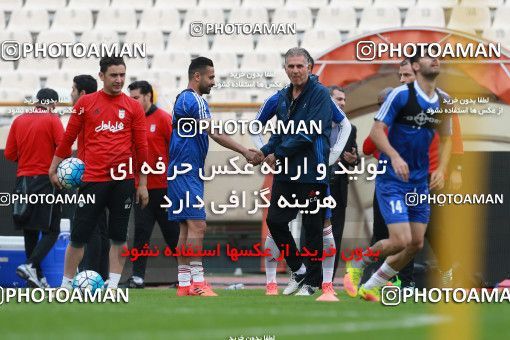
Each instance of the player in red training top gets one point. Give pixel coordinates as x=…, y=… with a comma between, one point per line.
x=31, y=142
x=159, y=131
x=113, y=127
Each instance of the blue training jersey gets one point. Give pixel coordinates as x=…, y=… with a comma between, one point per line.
x=268, y=110
x=188, y=145
x=411, y=141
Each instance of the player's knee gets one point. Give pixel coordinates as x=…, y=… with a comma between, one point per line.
x=415, y=245
x=400, y=242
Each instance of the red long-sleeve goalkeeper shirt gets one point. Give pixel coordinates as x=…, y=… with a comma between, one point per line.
x=112, y=127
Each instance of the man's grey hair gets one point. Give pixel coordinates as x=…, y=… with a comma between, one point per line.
x=298, y=51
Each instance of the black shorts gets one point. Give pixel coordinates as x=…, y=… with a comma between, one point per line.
x=41, y=216
x=117, y=196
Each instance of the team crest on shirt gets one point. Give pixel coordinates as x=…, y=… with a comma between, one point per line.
x=153, y=128
x=122, y=114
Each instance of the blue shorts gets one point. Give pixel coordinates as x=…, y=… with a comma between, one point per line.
x=178, y=189
x=398, y=201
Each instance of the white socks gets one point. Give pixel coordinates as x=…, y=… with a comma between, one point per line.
x=270, y=262
x=197, y=271
x=184, y=275
x=381, y=276
x=113, y=280
x=301, y=270
x=328, y=264
x=66, y=283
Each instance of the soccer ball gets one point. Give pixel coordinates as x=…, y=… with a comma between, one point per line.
x=70, y=172
x=88, y=280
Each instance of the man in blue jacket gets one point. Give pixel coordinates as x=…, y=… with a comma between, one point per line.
x=306, y=100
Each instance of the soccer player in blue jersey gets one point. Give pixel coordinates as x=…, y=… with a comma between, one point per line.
x=411, y=130
x=188, y=145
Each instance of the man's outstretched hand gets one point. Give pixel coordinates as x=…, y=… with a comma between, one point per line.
x=254, y=156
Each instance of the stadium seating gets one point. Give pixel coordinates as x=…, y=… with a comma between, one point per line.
x=316, y=41
x=182, y=41
x=77, y=20
x=94, y=5
x=466, y=18
x=10, y=5
x=328, y=18
x=248, y=15
x=138, y=5
x=224, y=62
x=19, y=36
x=11, y=95
x=500, y=35
x=437, y=3
x=226, y=4
x=307, y=3
x=51, y=5
x=425, y=16
x=358, y=4
x=482, y=3
x=26, y=81
x=269, y=4
x=501, y=18
x=205, y=15
x=233, y=43
x=153, y=40
x=6, y=66
x=276, y=43
x=31, y=20
x=64, y=79
x=179, y=4
x=395, y=3
x=375, y=18
x=38, y=65
x=177, y=60
x=300, y=15
x=81, y=65
x=261, y=62
x=120, y=20
x=165, y=20
x=56, y=36
x=100, y=36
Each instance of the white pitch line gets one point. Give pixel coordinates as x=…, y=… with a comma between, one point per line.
x=300, y=329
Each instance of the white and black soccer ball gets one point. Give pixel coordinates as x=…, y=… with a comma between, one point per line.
x=70, y=172
x=88, y=280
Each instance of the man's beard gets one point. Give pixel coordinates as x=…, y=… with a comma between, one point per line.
x=430, y=74
x=205, y=89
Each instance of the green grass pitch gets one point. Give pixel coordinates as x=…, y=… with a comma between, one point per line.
x=159, y=314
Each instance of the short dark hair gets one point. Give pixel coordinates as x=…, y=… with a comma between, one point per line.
x=143, y=86
x=405, y=61
x=199, y=64
x=47, y=95
x=85, y=82
x=106, y=62
x=421, y=52
x=335, y=87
